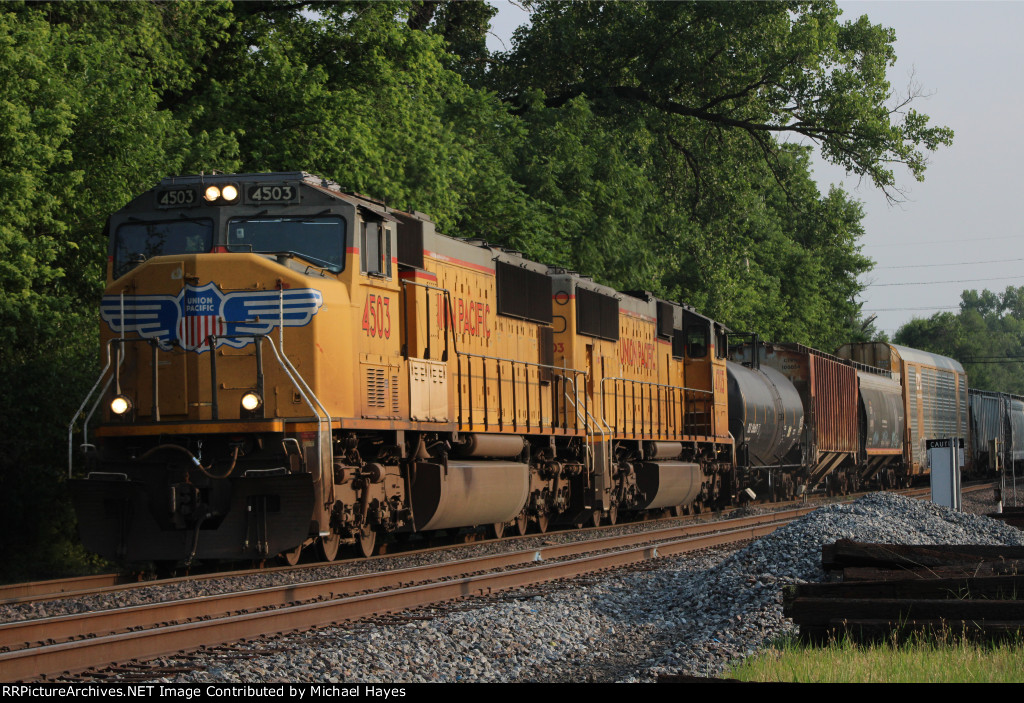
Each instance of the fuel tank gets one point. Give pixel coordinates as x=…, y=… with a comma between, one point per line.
x=766, y=416
x=666, y=484
x=467, y=493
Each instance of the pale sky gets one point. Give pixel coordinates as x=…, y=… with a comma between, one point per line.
x=961, y=224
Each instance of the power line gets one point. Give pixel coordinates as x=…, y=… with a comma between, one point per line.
x=942, y=241
x=992, y=356
x=962, y=263
x=938, y=283
x=926, y=307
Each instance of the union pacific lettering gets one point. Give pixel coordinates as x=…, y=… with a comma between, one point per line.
x=638, y=355
x=467, y=317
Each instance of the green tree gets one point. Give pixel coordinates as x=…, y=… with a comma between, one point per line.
x=761, y=69
x=986, y=336
x=82, y=130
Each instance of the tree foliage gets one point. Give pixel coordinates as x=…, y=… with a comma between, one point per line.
x=986, y=336
x=762, y=69
x=651, y=145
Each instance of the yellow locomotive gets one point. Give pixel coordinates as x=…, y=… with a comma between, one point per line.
x=290, y=365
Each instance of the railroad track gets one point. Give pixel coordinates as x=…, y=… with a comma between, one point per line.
x=52, y=647
x=12, y=594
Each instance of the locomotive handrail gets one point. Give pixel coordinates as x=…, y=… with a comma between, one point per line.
x=590, y=442
x=575, y=372
x=103, y=373
x=650, y=384
x=293, y=375
x=558, y=371
x=303, y=388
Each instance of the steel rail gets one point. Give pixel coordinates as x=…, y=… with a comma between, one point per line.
x=57, y=659
x=57, y=588
x=105, y=583
x=75, y=587
x=23, y=633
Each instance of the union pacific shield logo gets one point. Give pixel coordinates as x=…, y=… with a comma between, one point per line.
x=200, y=317
x=190, y=318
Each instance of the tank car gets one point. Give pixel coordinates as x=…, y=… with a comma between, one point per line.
x=289, y=365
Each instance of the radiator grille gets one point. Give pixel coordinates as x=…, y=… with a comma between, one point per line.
x=376, y=388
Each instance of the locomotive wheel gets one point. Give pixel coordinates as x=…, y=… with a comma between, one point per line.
x=596, y=516
x=542, y=523
x=291, y=558
x=521, y=524
x=367, y=541
x=613, y=514
x=328, y=547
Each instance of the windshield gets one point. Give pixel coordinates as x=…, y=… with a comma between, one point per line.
x=320, y=240
x=137, y=241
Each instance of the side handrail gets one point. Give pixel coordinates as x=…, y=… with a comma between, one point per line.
x=71, y=425
x=566, y=374
x=683, y=390
x=303, y=388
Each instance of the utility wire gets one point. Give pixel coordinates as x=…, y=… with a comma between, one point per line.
x=938, y=283
x=927, y=307
x=942, y=241
x=961, y=263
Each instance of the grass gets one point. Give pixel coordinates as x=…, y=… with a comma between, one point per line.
x=931, y=660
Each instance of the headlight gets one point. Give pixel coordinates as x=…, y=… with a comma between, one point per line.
x=251, y=401
x=120, y=405
x=212, y=193
x=229, y=192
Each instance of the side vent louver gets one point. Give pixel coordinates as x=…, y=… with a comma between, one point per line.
x=524, y=293
x=597, y=315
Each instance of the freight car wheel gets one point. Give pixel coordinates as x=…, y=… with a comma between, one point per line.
x=521, y=524
x=291, y=558
x=367, y=541
x=542, y=523
x=613, y=515
x=328, y=547
x=596, y=516
x=496, y=530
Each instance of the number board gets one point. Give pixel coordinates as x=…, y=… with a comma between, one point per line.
x=185, y=196
x=271, y=193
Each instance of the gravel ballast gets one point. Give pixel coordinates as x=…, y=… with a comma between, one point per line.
x=693, y=614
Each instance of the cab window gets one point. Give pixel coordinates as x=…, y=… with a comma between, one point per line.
x=697, y=342
x=136, y=242
x=318, y=240
x=375, y=250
